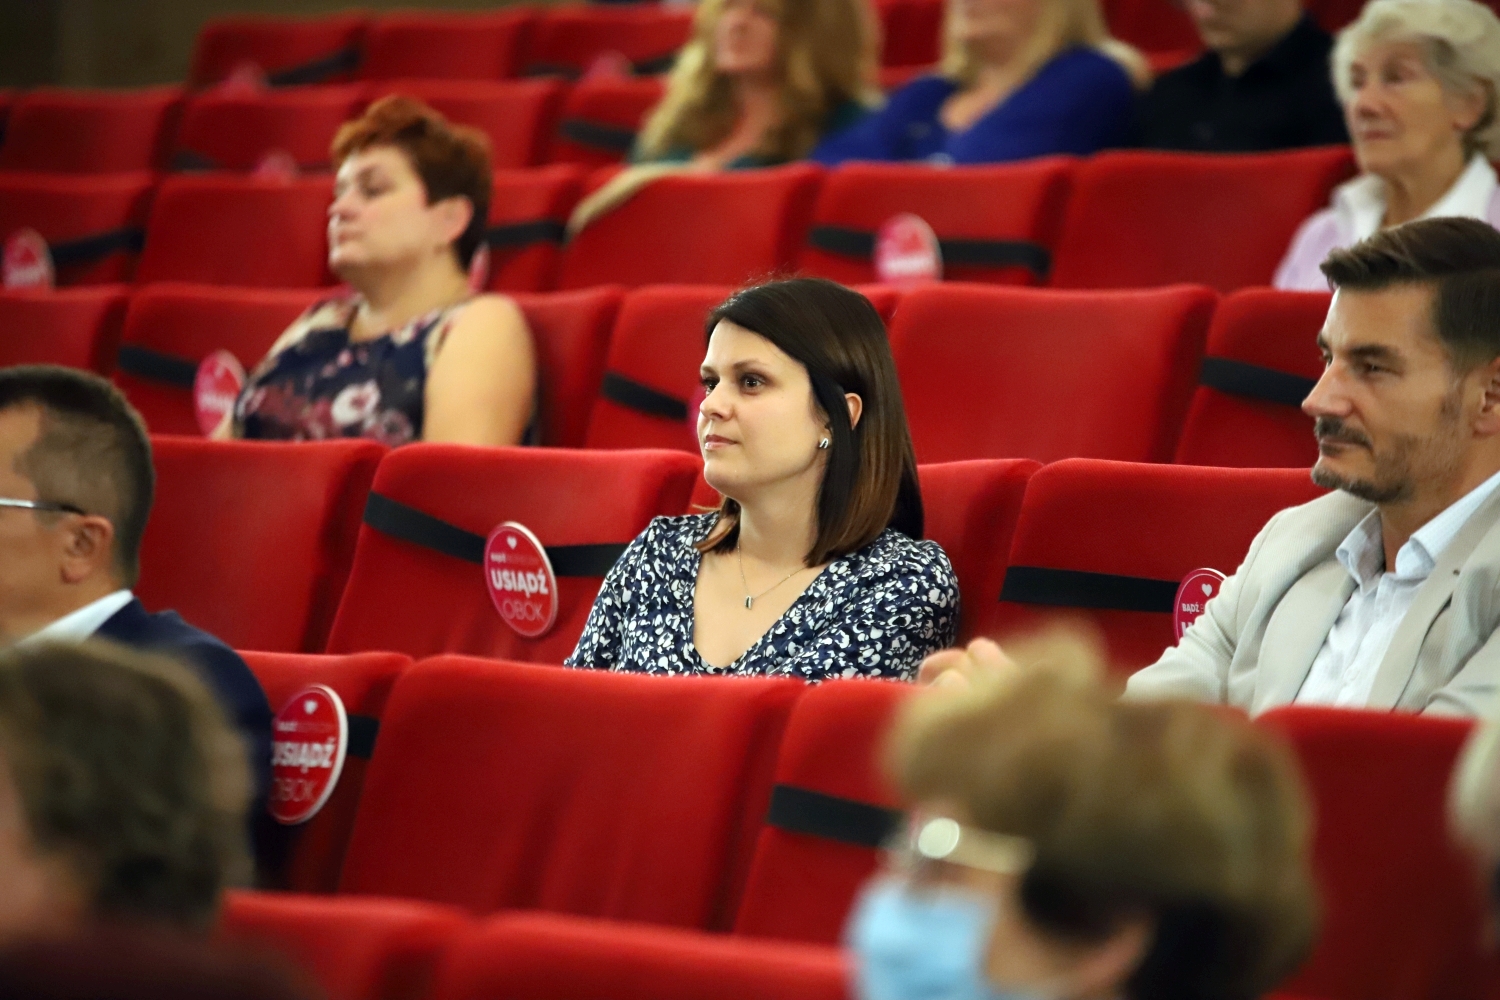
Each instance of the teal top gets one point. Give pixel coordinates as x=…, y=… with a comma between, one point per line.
x=846, y=115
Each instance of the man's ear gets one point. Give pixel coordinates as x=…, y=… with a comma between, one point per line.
x=88, y=548
x=1487, y=423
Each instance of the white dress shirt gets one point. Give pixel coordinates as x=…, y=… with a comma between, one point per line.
x=1360, y=204
x=1345, y=668
x=79, y=625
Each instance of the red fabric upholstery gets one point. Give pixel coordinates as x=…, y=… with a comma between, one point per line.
x=207, y=551
x=1138, y=219
x=1152, y=25
x=971, y=510
x=235, y=131
x=366, y=949
x=1401, y=904
x=912, y=30
x=1029, y=373
x=575, y=791
x=542, y=956
x=517, y=115
x=600, y=119
x=1158, y=522
x=189, y=322
x=226, y=230
x=570, y=331
x=725, y=229
x=1267, y=329
x=404, y=597
x=1016, y=202
x=63, y=208
x=90, y=131
x=567, y=40
x=435, y=45
x=523, y=197
x=307, y=857
x=77, y=327
x=273, y=44
x=801, y=886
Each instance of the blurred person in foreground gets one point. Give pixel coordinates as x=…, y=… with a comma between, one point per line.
x=1065, y=844
x=1417, y=79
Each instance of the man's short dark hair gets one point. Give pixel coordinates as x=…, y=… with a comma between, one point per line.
x=93, y=452
x=1460, y=258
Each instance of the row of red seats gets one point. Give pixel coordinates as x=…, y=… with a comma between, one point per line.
x=1116, y=220
x=497, y=786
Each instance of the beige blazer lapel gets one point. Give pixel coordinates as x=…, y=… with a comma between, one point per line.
x=1296, y=632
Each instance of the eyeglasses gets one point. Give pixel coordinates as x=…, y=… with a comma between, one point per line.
x=43, y=505
x=940, y=839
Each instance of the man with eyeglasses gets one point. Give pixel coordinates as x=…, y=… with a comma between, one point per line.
x=76, y=485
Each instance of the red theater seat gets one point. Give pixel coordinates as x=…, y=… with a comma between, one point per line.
x=170, y=328
x=90, y=131
x=1152, y=25
x=1140, y=219
x=366, y=949
x=517, y=115
x=570, y=331
x=237, y=131
x=528, y=215
x=307, y=857
x=971, y=510
x=208, y=551
x=436, y=45
x=1109, y=542
x=1402, y=907
x=245, y=231
x=1031, y=373
x=1260, y=362
x=94, y=226
x=502, y=785
x=995, y=224
x=77, y=327
x=541, y=956
x=802, y=879
x=287, y=51
x=722, y=229
x=600, y=119
x=412, y=598
x=567, y=40
x=912, y=31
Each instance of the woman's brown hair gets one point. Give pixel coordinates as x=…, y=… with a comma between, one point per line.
x=870, y=481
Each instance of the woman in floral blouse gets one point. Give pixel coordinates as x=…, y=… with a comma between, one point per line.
x=811, y=566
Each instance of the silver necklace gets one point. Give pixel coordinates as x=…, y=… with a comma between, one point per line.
x=750, y=598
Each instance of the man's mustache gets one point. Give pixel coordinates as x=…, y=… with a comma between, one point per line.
x=1332, y=429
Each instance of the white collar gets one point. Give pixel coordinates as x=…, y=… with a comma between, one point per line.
x=1362, y=553
x=79, y=625
x=1360, y=203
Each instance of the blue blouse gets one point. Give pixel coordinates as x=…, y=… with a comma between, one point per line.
x=877, y=612
x=1079, y=103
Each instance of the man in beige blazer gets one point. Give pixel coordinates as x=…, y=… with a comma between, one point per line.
x=1385, y=593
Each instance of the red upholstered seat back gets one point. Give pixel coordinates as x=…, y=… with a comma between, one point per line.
x=106, y=212
x=1146, y=522
x=1152, y=25
x=307, y=857
x=313, y=50
x=404, y=597
x=801, y=885
x=77, y=327
x=969, y=208
x=1257, y=335
x=971, y=510
x=367, y=949
x=171, y=327
x=570, y=332
x=726, y=229
x=517, y=115
x=1140, y=219
x=1402, y=910
x=1027, y=373
x=528, y=211
x=246, y=231
x=252, y=541
x=90, y=131
x=912, y=31
x=435, y=45
x=600, y=119
x=236, y=131
x=501, y=785
x=567, y=40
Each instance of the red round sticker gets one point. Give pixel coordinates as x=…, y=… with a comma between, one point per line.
x=276, y=165
x=215, y=389
x=247, y=79
x=906, y=250
x=1198, y=588
x=608, y=65
x=520, y=580
x=27, y=261
x=479, y=270
x=309, y=738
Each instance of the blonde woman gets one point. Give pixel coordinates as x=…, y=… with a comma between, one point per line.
x=1019, y=78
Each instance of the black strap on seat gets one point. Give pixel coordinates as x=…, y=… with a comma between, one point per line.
x=848, y=821
x=316, y=70
x=1241, y=378
x=1069, y=588
x=189, y=161
x=967, y=253
x=89, y=249
x=597, y=135
x=633, y=395
x=553, y=69
x=515, y=235
x=363, y=729
x=157, y=366
x=391, y=517
x=645, y=67
x=656, y=66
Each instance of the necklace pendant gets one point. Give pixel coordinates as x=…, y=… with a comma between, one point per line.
x=749, y=603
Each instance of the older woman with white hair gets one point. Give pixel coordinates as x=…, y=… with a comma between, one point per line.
x=1418, y=80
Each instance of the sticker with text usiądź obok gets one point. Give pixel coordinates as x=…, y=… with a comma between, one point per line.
x=1197, y=589
x=310, y=736
x=520, y=580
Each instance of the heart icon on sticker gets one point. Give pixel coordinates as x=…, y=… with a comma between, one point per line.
x=511, y=541
x=1207, y=590
x=309, y=706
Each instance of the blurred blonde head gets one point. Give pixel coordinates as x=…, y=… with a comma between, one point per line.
x=1060, y=25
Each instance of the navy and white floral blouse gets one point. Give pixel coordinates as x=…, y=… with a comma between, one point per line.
x=873, y=613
